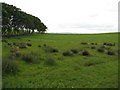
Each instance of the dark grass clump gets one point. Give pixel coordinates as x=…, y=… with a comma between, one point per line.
x=50, y=49
x=111, y=53
x=23, y=45
x=39, y=45
x=44, y=45
x=9, y=67
x=86, y=53
x=15, y=52
x=109, y=44
x=106, y=47
x=101, y=50
x=9, y=44
x=53, y=50
x=96, y=44
x=93, y=43
x=14, y=43
x=92, y=63
x=84, y=43
x=30, y=58
x=4, y=40
x=75, y=51
x=67, y=53
x=93, y=47
x=29, y=44
x=50, y=61
x=118, y=51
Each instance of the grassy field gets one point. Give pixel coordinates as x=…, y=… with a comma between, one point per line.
x=61, y=61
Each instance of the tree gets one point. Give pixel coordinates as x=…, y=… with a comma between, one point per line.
x=17, y=22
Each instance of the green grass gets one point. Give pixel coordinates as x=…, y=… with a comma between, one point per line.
x=98, y=70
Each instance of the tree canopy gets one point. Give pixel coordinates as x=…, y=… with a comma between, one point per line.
x=17, y=22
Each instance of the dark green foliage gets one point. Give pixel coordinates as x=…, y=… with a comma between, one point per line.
x=86, y=53
x=30, y=58
x=17, y=22
x=75, y=51
x=9, y=67
x=50, y=61
x=67, y=53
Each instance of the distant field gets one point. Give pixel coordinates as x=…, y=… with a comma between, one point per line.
x=62, y=61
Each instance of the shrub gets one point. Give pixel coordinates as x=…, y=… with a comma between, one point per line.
x=28, y=44
x=50, y=61
x=111, y=53
x=85, y=53
x=67, y=53
x=30, y=58
x=9, y=67
x=74, y=51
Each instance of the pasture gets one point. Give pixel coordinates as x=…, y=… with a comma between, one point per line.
x=61, y=61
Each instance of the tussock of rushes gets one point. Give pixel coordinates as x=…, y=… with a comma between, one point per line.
x=9, y=66
x=30, y=58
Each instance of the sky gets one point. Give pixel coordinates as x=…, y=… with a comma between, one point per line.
x=73, y=16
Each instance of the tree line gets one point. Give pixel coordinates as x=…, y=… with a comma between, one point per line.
x=17, y=22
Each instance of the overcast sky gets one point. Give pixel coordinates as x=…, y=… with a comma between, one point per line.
x=73, y=16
